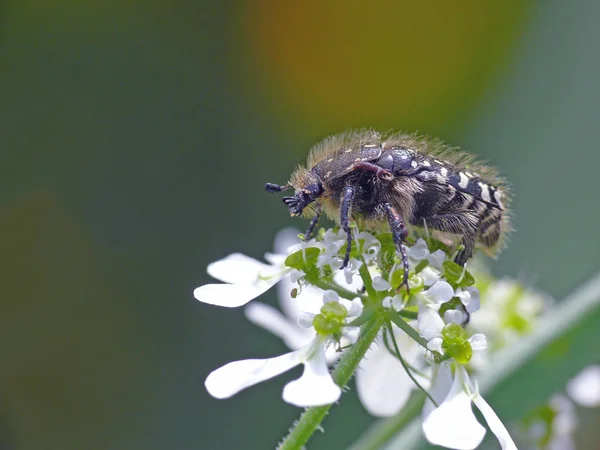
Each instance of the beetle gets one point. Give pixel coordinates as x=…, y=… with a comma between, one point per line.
x=407, y=181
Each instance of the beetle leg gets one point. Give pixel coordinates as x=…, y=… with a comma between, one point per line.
x=313, y=223
x=399, y=234
x=345, y=220
x=379, y=171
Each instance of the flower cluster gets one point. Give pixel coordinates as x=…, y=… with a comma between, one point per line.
x=422, y=344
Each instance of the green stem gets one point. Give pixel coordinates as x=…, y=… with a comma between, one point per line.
x=343, y=293
x=368, y=282
x=311, y=419
x=404, y=364
x=400, y=323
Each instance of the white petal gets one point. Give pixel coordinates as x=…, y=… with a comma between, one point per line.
x=315, y=387
x=236, y=268
x=330, y=296
x=494, y=423
x=355, y=308
x=235, y=376
x=382, y=384
x=475, y=302
x=436, y=259
x=584, y=389
x=464, y=296
x=308, y=299
x=478, y=342
x=453, y=423
x=435, y=345
x=379, y=284
x=442, y=382
x=429, y=276
x=419, y=251
x=429, y=321
x=295, y=275
x=440, y=292
x=453, y=316
x=285, y=239
x=229, y=295
x=272, y=320
x=351, y=333
x=341, y=279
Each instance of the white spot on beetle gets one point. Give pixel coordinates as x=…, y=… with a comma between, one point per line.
x=426, y=163
x=349, y=150
x=444, y=172
x=330, y=159
x=485, y=192
x=413, y=164
x=464, y=181
x=440, y=179
x=437, y=161
x=498, y=197
x=469, y=174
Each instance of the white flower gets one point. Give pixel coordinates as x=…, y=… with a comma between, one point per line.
x=430, y=322
x=584, y=389
x=382, y=384
x=244, y=279
x=452, y=424
x=315, y=387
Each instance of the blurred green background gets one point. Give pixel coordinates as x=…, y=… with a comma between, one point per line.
x=135, y=139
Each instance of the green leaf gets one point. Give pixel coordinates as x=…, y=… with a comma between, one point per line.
x=520, y=378
x=296, y=260
x=453, y=272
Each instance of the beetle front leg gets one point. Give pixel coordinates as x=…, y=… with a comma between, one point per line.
x=345, y=220
x=313, y=223
x=399, y=234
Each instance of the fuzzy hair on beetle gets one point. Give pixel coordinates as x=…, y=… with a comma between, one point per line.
x=407, y=181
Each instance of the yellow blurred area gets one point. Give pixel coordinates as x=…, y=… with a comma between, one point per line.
x=391, y=63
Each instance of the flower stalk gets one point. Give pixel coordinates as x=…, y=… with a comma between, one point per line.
x=311, y=419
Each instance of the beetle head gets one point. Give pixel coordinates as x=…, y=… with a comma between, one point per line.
x=303, y=197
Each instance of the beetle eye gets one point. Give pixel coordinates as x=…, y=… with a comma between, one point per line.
x=314, y=190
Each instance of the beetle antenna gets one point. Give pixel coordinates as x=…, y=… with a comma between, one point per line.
x=271, y=187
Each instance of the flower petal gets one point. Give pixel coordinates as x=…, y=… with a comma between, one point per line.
x=271, y=319
x=235, y=376
x=440, y=292
x=453, y=424
x=584, y=389
x=475, y=302
x=308, y=299
x=418, y=251
x=351, y=333
x=429, y=276
x=453, y=316
x=379, y=284
x=382, y=384
x=236, y=269
x=429, y=321
x=315, y=387
x=478, y=342
x=494, y=423
x=436, y=259
x=229, y=295
x=442, y=382
x=285, y=239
